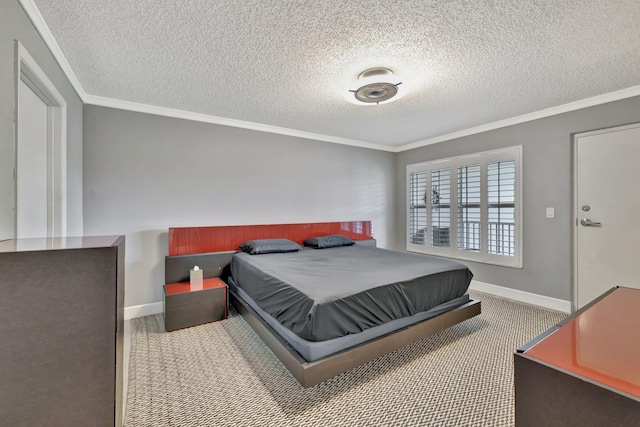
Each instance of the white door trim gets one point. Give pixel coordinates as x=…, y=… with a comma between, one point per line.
x=28, y=71
x=576, y=214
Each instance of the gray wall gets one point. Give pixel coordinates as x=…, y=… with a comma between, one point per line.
x=547, y=182
x=14, y=24
x=145, y=173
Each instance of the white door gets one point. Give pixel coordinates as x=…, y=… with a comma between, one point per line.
x=31, y=165
x=607, y=206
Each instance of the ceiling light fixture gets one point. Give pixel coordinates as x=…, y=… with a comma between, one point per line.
x=376, y=87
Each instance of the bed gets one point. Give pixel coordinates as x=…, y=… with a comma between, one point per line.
x=325, y=310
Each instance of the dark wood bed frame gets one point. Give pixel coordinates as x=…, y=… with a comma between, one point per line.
x=308, y=374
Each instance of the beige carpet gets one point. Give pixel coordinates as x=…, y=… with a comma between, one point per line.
x=221, y=374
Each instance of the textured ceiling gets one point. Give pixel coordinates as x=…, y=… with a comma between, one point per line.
x=289, y=63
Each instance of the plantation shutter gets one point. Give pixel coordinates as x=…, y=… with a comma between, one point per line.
x=418, y=208
x=440, y=207
x=501, y=193
x=468, y=208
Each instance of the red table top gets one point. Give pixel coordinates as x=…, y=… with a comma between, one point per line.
x=182, y=287
x=602, y=343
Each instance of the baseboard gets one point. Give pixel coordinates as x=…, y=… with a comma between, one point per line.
x=499, y=291
x=142, y=310
x=522, y=296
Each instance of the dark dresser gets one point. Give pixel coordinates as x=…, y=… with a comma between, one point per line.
x=61, y=323
x=585, y=371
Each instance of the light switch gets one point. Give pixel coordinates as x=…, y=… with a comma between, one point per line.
x=551, y=213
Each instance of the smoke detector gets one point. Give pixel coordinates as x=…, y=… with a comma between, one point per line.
x=377, y=87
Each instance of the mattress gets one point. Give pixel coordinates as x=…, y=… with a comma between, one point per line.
x=323, y=294
x=315, y=350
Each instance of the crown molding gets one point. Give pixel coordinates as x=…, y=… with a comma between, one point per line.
x=33, y=13
x=206, y=118
x=565, y=108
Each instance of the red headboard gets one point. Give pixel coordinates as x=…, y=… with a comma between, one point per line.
x=196, y=240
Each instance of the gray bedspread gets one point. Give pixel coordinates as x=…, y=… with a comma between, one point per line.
x=320, y=294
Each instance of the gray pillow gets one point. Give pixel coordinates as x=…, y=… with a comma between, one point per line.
x=331, y=241
x=269, y=246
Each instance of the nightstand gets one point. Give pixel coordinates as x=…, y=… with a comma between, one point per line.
x=186, y=305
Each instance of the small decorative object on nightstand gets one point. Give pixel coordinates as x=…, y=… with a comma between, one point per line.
x=186, y=305
x=196, y=277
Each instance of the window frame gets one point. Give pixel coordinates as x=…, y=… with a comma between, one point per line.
x=513, y=153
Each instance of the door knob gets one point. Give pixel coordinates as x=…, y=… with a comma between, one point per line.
x=586, y=222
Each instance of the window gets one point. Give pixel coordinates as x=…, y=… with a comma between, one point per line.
x=467, y=207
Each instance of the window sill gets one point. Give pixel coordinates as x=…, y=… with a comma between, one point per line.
x=513, y=261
